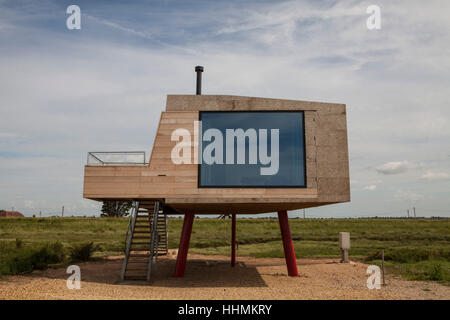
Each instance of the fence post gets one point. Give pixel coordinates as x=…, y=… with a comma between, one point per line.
x=382, y=266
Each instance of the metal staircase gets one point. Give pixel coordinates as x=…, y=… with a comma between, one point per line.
x=146, y=239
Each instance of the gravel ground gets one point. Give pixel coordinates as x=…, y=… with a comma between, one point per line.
x=211, y=277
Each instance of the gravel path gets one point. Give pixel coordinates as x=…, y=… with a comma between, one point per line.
x=211, y=277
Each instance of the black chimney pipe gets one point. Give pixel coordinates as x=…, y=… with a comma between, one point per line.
x=199, y=70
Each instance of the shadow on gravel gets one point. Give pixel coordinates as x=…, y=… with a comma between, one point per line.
x=199, y=273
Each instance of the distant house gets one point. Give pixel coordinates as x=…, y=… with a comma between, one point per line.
x=10, y=214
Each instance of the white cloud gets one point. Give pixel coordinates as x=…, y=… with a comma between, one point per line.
x=430, y=175
x=395, y=167
x=119, y=27
x=371, y=187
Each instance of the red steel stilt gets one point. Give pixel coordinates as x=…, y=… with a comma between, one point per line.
x=233, y=239
x=180, y=265
x=288, y=245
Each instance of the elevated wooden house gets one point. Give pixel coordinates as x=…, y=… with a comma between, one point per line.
x=312, y=169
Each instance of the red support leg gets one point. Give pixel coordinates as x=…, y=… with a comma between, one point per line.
x=180, y=265
x=233, y=239
x=288, y=245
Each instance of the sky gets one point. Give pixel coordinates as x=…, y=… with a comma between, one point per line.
x=66, y=92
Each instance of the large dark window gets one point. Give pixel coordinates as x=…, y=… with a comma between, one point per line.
x=252, y=149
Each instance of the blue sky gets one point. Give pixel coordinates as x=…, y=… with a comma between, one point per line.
x=66, y=92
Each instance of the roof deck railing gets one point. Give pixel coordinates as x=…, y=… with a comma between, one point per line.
x=116, y=158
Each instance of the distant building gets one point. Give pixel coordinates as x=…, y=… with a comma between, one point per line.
x=10, y=214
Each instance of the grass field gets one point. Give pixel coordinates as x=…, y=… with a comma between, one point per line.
x=416, y=248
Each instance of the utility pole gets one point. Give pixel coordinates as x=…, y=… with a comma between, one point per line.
x=40, y=214
x=304, y=213
x=62, y=213
x=414, y=210
x=407, y=213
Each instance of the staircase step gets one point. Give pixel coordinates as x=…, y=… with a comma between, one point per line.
x=142, y=278
x=136, y=269
x=139, y=255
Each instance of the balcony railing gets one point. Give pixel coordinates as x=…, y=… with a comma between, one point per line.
x=116, y=158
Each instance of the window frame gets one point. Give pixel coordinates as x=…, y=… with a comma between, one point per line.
x=304, y=186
